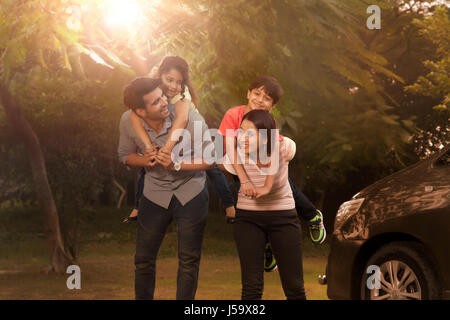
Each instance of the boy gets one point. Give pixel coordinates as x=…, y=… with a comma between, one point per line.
x=264, y=93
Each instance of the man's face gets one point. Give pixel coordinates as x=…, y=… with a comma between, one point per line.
x=259, y=99
x=155, y=106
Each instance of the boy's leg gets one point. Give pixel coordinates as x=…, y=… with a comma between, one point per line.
x=151, y=228
x=220, y=183
x=305, y=208
x=308, y=211
x=285, y=237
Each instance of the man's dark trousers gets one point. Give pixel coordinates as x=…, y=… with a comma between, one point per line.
x=153, y=221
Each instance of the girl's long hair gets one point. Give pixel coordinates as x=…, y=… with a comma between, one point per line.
x=179, y=64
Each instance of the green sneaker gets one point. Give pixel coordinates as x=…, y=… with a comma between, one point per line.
x=270, y=264
x=316, y=229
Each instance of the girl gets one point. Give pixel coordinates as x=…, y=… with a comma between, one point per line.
x=273, y=213
x=176, y=85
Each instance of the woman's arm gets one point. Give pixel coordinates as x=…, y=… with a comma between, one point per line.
x=140, y=131
x=181, y=118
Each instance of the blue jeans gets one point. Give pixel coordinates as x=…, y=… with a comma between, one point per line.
x=217, y=178
x=220, y=183
x=153, y=221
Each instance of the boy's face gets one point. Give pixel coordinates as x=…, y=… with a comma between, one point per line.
x=259, y=99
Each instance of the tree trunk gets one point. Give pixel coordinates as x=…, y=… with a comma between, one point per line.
x=58, y=257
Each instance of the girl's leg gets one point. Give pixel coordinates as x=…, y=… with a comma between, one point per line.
x=140, y=189
x=285, y=237
x=250, y=240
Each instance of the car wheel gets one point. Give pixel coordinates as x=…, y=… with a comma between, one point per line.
x=404, y=274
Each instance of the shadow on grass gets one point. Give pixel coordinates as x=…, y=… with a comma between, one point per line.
x=106, y=259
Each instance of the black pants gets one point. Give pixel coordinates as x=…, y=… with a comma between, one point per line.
x=153, y=221
x=284, y=233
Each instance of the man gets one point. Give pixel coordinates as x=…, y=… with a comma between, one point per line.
x=171, y=190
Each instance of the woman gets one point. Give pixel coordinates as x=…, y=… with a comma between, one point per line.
x=176, y=85
x=273, y=213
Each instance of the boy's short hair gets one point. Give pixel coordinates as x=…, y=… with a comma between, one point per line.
x=270, y=85
x=136, y=89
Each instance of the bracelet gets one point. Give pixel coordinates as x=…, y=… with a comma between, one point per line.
x=245, y=182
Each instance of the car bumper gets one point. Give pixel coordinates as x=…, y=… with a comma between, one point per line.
x=339, y=273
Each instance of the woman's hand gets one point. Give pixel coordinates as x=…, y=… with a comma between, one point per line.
x=248, y=189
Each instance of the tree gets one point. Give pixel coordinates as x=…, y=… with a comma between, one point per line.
x=436, y=83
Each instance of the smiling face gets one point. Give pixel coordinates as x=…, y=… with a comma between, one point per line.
x=259, y=99
x=155, y=106
x=248, y=137
x=172, y=82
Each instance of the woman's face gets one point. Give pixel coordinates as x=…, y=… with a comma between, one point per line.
x=171, y=83
x=248, y=137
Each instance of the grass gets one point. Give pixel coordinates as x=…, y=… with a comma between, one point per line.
x=106, y=260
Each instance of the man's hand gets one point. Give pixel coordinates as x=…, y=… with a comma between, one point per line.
x=164, y=158
x=248, y=189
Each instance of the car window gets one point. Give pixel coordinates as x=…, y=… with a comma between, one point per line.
x=444, y=160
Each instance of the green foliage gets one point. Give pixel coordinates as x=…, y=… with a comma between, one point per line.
x=344, y=102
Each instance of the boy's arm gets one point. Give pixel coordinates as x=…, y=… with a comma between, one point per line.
x=268, y=184
x=181, y=118
x=247, y=186
x=140, y=131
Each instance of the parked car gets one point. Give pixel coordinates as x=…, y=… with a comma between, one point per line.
x=392, y=239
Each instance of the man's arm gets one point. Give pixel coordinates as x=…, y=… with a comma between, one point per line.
x=137, y=160
x=128, y=150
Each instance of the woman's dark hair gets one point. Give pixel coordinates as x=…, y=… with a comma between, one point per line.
x=179, y=64
x=139, y=87
x=262, y=119
x=270, y=86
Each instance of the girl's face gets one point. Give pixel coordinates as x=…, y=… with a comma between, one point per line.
x=171, y=83
x=248, y=137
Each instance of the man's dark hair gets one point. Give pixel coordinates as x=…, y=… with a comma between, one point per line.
x=133, y=92
x=262, y=119
x=270, y=86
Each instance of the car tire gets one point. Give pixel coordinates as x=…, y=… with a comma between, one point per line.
x=405, y=273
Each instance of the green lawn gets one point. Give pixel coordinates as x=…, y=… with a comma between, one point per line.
x=106, y=262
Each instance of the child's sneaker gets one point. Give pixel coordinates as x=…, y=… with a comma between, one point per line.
x=316, y=229
x=270, y=264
